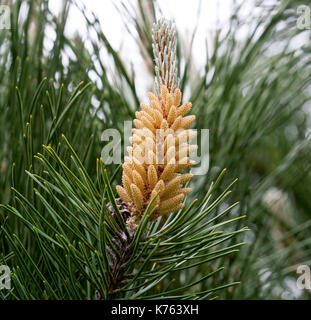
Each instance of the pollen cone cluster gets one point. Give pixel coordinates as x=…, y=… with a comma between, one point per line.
x=159, y=152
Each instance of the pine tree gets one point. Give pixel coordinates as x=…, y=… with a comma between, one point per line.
x=72, y=227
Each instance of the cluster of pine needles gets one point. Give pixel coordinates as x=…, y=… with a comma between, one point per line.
x=64, y=230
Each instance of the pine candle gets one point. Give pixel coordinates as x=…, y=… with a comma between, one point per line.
x=160, y=143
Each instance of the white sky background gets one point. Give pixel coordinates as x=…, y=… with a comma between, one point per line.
x=183, y=12
x=213, y=13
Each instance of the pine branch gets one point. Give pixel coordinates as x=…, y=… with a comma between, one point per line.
x=120, y=258
x=56, y=232
x=118, y=276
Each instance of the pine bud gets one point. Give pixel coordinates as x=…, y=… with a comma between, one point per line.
x=160, y=145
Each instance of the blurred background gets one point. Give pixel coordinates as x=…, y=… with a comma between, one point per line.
x=244, y=65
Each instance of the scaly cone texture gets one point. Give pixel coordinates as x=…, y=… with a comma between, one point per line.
x=160, y=150
x=160, y=143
